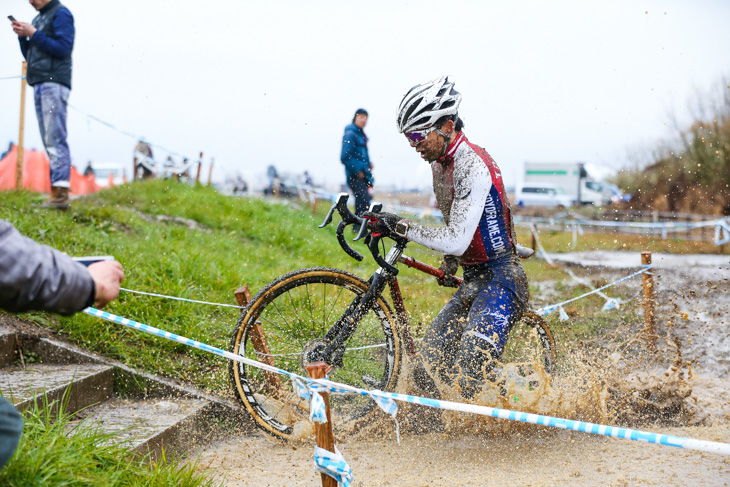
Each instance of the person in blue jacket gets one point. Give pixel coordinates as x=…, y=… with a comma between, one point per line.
x=357, y=162
x=47, y=44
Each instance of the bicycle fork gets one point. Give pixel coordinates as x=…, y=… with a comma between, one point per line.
x=342, y=330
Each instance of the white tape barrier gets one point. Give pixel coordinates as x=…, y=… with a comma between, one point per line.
x=389, y=397
x=611, y=303
x=546, y=310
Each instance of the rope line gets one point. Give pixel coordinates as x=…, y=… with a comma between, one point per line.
x=124, y=132
x=180, y=299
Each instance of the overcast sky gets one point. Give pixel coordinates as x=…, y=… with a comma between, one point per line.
x=275, y=82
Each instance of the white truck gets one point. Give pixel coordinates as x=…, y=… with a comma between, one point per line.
x=572, y=177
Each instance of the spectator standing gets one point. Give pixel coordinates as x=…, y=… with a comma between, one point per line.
x=37, y=277
x=89, y=171
x=46, y=44
x=357, y=162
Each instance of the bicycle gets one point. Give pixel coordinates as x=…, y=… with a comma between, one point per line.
x=330, y=315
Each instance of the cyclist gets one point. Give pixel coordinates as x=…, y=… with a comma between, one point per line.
x=470, y=332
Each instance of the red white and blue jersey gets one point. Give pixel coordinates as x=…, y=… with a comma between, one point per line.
x=470, y=192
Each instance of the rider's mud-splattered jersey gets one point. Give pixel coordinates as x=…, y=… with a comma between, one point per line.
x=470, y=192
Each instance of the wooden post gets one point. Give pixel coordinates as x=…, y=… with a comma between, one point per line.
x=258, y=340
x=200, y=165
x=534, y=239
x=325, y=437
x=210, y=171
x=19, y=166
x=647, y=283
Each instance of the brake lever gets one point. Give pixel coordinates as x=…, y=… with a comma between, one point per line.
x=374, y=241
x=363, y=233
x=341, y=201
x=374, y=208
x=343, y=243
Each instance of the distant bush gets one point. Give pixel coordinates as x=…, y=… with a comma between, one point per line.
x=690, y=174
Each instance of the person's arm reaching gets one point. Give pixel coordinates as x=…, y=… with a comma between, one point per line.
x=37, y=277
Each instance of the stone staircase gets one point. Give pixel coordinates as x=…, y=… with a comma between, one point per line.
x=152, y=413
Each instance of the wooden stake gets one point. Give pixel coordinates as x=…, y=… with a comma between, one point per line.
x=647, y=282
x=325, y=437
x=258, y=340
x=19, y=166
x=200, y=165
x=210, y=171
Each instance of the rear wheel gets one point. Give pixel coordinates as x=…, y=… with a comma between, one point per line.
x=290, y=317
x=531, y=342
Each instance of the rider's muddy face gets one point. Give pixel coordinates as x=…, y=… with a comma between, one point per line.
x=432, y=147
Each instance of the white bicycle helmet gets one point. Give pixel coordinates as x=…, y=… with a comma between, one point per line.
x=424, y=104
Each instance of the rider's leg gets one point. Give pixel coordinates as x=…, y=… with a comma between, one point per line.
x=441, y=343
x=492, y=314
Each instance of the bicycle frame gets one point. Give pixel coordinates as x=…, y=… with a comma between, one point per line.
x=341, y=331
x=386, y=275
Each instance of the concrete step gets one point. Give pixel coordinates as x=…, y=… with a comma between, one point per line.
x=148, y=425
x=90, y=384
x=148, y=411
x=8, y=344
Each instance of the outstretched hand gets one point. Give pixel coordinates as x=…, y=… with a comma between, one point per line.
x=107, y=278
x=382, y=224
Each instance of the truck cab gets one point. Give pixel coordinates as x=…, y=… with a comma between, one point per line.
x=572, y=178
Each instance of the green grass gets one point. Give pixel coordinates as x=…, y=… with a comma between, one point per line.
x=55, y=450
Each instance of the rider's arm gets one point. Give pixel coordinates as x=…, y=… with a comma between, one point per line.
x=472, y=183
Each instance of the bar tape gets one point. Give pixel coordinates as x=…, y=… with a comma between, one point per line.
x=584, y=427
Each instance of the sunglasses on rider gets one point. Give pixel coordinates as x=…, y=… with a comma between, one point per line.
x=419, y=136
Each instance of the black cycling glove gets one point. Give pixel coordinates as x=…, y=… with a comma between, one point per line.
x=382, y=224
x=449, y=265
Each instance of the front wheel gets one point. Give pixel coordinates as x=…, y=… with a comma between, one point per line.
x=289, y=318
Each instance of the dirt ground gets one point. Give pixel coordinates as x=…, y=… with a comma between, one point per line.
x=692, y=397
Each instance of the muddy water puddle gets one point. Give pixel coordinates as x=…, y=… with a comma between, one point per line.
x=535, y=456
x=683, y=391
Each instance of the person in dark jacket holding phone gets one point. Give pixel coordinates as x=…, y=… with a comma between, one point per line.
x=38, y=277
x=46, y=45
x=357, y=162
